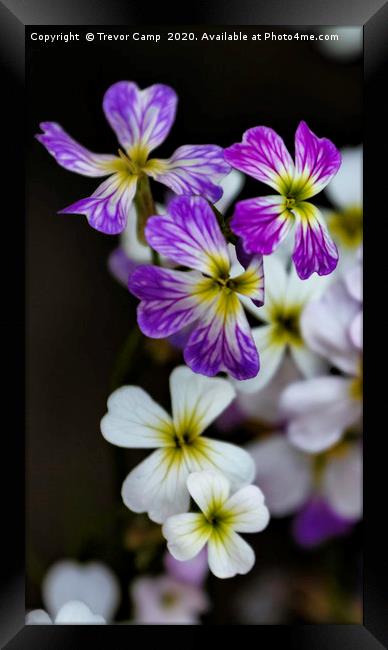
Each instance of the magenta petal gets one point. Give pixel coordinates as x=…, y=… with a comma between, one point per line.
x=189, y=235
x=140, y=117
x=193, y=169
x=263, y=155
x=167, y=304
x=70, y=154
x=108, y=207
x=314, y=249
x=262, y=223
x=317, y=160
x=223, y=342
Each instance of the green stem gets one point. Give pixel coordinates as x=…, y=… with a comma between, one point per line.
x=145, y=206
x=125, y=357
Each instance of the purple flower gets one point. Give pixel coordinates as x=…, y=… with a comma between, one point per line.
x=317, y=522
x=264, y=222
x=191, y=572
x=141, y=120
x=171, y=299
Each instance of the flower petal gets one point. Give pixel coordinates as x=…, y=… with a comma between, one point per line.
x=108, y=207
x=317, y=522
x=355, y=331
x=38, y=617
x=222, y=340
x=76, y=612
x=283, y=473
x=262, y=223
x=263, y=155
x=186, y=535
x=169, y=301
x=192, y=169
x=319, y=410
x=250, y=283
x=197, y=400
x=325, y=327
x=158, y=485
x=209, y=489
x=190, y=235
x=345, y=189
x=228, y=459
x=342, y=482
x=271, y=356
x=191, y=572
x=71, y=155
x=231, y=185
x=229, y=555
x=248, y=513
x=141, y=119
x=134, y=420
x=317, y=160
x=309, y=363
x=314, y=249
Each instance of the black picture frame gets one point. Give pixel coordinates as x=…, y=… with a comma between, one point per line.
x=15, y=15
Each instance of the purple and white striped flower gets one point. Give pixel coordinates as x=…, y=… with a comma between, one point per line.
x=205, y=296
x=141, y=120
x=264, y=222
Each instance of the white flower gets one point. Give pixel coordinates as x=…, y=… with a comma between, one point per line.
x=319, y=410
x=221, y=518
x=345, y=193
x=72, y=613
x=158, y=484
x=289, y=477
x=164, y=600
x=286, y=296
x=93, y=583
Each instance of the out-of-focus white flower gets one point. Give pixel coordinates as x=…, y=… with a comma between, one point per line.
x=348, y=46
x=288, y=477
x=93, y=583
x=72, y=613
x=263, y=405
x=319, y=410
x=221, y=518
x=131, y=252
x=345, y=220
x=286, y=297
x=158, y=484
x=353, y=282
x=165, y=600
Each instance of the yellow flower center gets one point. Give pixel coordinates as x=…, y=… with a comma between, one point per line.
x=286, y=325
x=346, y=226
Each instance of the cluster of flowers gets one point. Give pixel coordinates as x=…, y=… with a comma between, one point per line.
x=207, y=273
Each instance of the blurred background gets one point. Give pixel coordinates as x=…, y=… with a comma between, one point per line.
x=79, y=316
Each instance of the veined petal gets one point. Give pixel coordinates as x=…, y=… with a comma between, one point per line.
x=108, y=207
x=190, y=235
x=262, y=223
x=186, y=535
x=169, y=299
x=141, y=119
x=197, y=400
x=317, y=160
x=134, y=420
x=250, y=283
x=158, y=485
x=263, y=155
x=71, y=155
x=283, y=473
x=276, y=288
x=271, y=354
x=314, y=249
x=247, y=512
x=318, y=411
x=209, y=489
x=217, y=456
x=229, y=554
x=222, y=340
x=192, y=169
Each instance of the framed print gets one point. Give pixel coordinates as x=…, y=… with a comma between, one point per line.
x=187, y=442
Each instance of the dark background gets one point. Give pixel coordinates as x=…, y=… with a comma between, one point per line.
x=78, y=316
